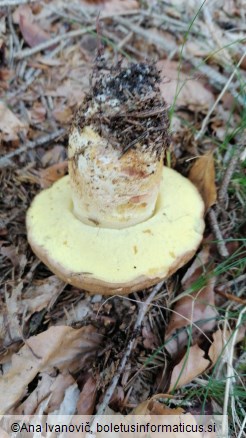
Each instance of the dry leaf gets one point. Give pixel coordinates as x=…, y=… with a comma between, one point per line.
x=53, y=156
x=221, y=341
x=190, y=92
x=150, y=340
x=48, y=176
x=43, y=177
x=58, y=347
x=188, y=368
x=39, y=295
x=32, y=32
x=58, y=389
x=21, y=305
x=202, y=174
x=157, y=408
x=63, y=115
x=119, y=6
x=68, y=404
x=40, y=393
x=197, y=307
x=153, y=407
x=10, y=125
x=87, y=398
x=11, y=253
x=22, y=10
x=38, y=113
x=110, y=7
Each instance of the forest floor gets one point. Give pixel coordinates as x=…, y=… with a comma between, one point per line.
x=179, y=346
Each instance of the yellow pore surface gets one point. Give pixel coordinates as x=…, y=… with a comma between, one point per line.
x=147, y=249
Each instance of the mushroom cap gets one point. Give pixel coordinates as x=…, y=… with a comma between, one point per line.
x=117, y=261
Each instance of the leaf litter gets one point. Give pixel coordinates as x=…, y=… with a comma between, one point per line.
x=38, y=312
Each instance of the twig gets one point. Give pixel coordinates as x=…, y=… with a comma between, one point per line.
x=232, y=282
x=228, y=174
x=215, y=227
x=230, y=297
x=35, y=74
x=15, y=2
x=241, y=432
x=143, y=307
x=4, y=161
x=217, y=79
x=205, y=121
x=45, y=45
x=150, y=36
x=230, y=373
x=216, y=34
x=12, y=30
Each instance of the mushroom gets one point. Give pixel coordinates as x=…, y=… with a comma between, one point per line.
x=120, y=221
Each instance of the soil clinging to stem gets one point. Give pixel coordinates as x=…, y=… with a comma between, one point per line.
x=125, y=106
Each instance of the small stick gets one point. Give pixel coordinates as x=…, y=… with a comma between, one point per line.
x=215, y=227
x=143, y=307
x=4, y=161
x=230, y=297
x=12, y=30
x=15, y=2
x=45, y=45
x=217, y=79
x=228, y=174
x=216, y=33
x=230, y=375
x=205, y=121
x=36, y=73
x=148, y=35
x=232, y=282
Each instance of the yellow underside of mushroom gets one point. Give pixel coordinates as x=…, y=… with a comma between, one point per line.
x=109, y=261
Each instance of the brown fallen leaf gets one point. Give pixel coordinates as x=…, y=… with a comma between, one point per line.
x=53, y=156
x=87, y=398
x=153, y=407
x=108, y=7
x=202, y=174
x=40, y=393
x=22, y=10
x=10, y=125
x=196, y=307
x=191, y=365
x=39, y=294
x=63, y=114
x=57, y=391
x=220, y=341
x=150, y=340
x=159, y=413
x=31, y=31
x=21, y=303
x=43, y=177
x=37, y=113
x=58, y=347
x=10, y=252
x=48, y=176
x=189, y=91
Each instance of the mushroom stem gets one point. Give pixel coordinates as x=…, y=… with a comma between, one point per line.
x=116, y=147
